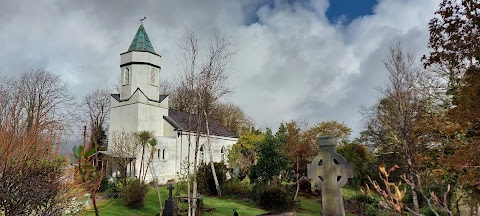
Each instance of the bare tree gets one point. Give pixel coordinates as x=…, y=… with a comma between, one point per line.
x=45, y=98
x=393, y=122
x=186, y=88
x=97, y=109
x=123, y=151
x=33, y=113
x=213, y=85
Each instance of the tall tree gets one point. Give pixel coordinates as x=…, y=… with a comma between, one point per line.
x=271, y=160
x=97, y=108
x=244, y=153
x=298, y=149
x=391, y=123
x=41, y=100
x=454, y=36
x=33, y=113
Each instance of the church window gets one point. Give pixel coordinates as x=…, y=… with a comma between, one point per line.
x=158, y=153
x=153, y=77
x=163, y=154
x=202, y=154
x=126, y=78
x=222, y=152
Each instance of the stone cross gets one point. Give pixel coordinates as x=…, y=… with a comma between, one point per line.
x=169, y=204
x=330, y=172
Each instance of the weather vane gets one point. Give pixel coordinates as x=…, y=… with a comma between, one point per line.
x=142, y=20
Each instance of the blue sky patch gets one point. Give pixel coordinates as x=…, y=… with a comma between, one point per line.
x=348, y=10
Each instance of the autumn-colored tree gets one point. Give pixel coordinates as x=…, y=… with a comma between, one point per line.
x=454, y=36
x=232, y=117
x=243, y=154
x=298, y=149
x=331, y=128
x=391, y=124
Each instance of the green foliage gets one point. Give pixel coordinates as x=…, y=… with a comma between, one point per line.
x=371, y=210
x=362, y=160
x=429, y=212
x=243, y=154
x=274, y=197
x=235, y=188
x=206, y=183
x=134, y=194
x=114, y=188
x=271, y=161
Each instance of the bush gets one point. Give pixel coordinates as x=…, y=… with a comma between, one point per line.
x=206, y=184
x=274, y=197
x=362, y=204
x=236, y=188
x=134, y=193
x=114, y=188
x=428, y=212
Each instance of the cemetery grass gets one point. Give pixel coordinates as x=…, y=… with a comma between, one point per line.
x=218, y=206
x=312, y=205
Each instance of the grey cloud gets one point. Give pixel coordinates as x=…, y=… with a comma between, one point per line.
x=291, y=64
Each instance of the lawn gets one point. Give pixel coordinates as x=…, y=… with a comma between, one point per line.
x=218, y=205
x=117, y=206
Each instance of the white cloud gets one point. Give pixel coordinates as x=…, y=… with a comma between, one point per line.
x=291, y=64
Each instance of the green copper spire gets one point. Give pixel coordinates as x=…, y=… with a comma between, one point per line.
x=141, y=42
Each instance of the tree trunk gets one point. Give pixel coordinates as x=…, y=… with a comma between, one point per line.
x=298, y=181
x=195, y=181
x=189, y=194
x=94, y=204
x=141, y=163
x=411, y=176
x=212, y=166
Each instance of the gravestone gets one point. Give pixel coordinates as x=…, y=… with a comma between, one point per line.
x=330, y=172
x=169, y=204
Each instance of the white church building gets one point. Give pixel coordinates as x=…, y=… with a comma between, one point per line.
x=140, y=107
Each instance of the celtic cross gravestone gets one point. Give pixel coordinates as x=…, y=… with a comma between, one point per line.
x=330, y=172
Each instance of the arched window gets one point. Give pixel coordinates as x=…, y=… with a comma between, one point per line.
x=158, y=153
x=202, y=154
x=153, y=77
x=126, y=78
x=163, y=154
x=222, y=152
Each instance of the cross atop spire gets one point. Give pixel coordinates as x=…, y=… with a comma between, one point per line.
x=141, y=42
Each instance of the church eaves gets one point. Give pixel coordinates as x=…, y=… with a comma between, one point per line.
x=141, y=42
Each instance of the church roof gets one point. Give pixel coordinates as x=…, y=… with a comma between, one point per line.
x=179, y=120
x=141, y=42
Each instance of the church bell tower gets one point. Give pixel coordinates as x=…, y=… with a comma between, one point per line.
x=140, y=68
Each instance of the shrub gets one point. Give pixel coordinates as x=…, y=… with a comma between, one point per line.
x=371, y=210
x=114, y=188
x=236, y=188
x=274, y=197
x=206, y=184
x=134, y=193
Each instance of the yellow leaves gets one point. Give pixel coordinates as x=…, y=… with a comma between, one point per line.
x=383, y=170
x=399, y=193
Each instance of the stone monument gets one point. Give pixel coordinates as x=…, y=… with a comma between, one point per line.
x=169, y=204
x=330, y=172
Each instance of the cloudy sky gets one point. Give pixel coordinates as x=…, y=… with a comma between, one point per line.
x=297, y=60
